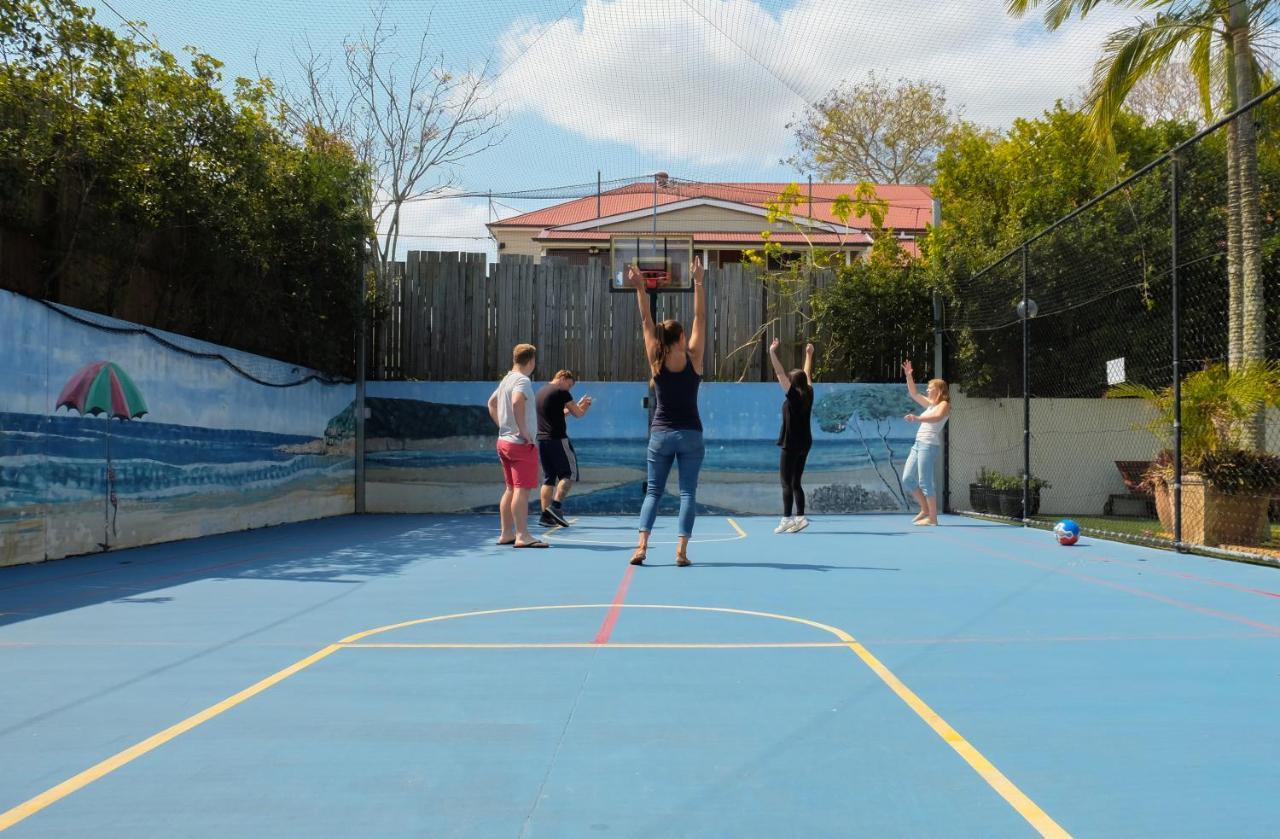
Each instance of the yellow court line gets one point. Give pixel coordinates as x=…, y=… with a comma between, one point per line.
x=54, y=794
x=994, y=778
x=741, y=532
x=763, y=645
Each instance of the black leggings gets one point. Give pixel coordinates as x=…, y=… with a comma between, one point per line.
x=790, y=469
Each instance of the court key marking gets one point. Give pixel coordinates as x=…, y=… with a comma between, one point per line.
x=1005, y=788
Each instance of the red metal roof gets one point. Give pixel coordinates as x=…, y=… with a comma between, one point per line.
x=910, y=205
x=710, y=236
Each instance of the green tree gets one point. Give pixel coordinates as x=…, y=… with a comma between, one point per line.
x=1220, y=38
x=875, y=130
x=138, y=188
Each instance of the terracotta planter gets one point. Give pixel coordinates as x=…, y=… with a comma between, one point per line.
x=1213, y=518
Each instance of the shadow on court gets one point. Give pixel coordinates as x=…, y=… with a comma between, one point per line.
x=342, y=551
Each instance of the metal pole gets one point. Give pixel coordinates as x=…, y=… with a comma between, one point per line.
x=598, y=185
x=359, y=408
x=1026, y=394
x=938, y=373
x=1177, y=352
x=811, y=196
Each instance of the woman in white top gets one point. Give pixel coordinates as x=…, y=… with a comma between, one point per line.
x=917, y=475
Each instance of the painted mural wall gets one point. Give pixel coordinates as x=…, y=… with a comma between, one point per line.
x=430, y=448
x=109, y=438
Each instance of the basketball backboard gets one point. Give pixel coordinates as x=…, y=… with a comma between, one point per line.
x=665, y=261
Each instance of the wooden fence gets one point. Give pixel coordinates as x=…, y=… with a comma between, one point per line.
x=453, y=316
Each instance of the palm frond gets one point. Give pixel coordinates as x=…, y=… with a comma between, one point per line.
x=1128, y=55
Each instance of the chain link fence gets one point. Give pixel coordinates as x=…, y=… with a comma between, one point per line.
x=1120, y=368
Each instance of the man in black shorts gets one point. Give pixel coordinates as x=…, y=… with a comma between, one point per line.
x=559, y=463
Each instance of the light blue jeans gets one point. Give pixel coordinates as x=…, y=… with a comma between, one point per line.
x=665, y=448
x=918, y=472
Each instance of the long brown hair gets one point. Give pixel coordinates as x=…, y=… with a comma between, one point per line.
x=944, y=392
x=668, y=333
x=800, y=381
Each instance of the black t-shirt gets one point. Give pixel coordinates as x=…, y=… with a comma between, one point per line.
x=551, y=401
x=797, y=409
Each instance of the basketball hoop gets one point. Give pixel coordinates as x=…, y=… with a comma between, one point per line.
x=655, y=279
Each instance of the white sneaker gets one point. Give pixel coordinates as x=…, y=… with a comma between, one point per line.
x=797, y=524
x=785, y=525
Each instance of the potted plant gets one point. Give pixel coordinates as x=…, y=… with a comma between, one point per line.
x=1008, y=495
x=1227, y=484
x=980, y=493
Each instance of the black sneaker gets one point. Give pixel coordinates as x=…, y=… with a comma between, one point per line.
x=546, y=520
x=557, y=516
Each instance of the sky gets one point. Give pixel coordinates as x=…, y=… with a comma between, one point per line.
x=702, y=89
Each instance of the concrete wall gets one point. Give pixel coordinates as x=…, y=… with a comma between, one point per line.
x=214, y=452
x=1075, y=444
x=431, y=448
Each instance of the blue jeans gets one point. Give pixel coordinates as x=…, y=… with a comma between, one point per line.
x=665, y=448
x=918, y=472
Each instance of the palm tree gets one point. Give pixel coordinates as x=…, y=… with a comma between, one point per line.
x=1218, y=38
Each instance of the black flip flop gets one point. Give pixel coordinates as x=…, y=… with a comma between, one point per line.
x=536, y=543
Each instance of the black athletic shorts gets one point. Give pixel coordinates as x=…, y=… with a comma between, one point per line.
x=559, y=462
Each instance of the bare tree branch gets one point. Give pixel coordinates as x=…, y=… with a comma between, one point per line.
x=408, y=121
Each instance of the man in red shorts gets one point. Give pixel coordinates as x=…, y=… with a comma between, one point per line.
x=512, y=408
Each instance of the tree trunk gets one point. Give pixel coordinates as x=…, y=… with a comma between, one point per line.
x=1254, y=322
x=1235, y=308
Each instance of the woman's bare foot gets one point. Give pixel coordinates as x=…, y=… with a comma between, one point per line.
x=682, y=560
x=920, y=516
x=637, y=558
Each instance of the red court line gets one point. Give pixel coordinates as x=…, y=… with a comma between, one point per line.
x=611, y=618
x=1150, y=595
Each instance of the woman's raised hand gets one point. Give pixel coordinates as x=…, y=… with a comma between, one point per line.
x=906, y=368
x=634, y=277
x=808, y=350
x=697, y=270
x=773, y=346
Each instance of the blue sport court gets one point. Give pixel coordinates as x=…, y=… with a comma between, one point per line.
x=403, y=676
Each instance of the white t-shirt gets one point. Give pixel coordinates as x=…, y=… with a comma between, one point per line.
x=507, y=428
x=930, y=433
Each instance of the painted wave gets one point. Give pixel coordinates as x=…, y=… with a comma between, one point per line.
x=64, y=459
x=722, y=455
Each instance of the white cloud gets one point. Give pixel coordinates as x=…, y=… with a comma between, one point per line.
x=714, y=82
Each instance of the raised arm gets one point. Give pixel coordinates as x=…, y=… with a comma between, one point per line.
x=646, y=320
x=778, y=369
x=579, y=408
x=696, y=336
x=911, y=386
x=808, y=362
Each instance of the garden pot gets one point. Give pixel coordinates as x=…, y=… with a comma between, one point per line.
x=1009, y=503
x=980, y=498
x=1212, y=517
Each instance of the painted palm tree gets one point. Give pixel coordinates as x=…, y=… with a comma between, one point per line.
x=1218, y=39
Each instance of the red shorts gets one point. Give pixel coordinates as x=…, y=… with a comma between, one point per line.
x=519, y=464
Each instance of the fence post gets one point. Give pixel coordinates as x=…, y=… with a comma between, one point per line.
x=1174, y=168
x=1026, y=394
x=938, y=374
x=358, y=407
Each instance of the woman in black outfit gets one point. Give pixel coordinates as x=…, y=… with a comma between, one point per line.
x=796, y=436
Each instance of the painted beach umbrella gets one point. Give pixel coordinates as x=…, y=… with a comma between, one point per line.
x=103, y=388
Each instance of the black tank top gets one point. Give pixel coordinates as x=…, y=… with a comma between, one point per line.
x=677, y=408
